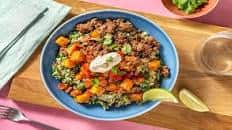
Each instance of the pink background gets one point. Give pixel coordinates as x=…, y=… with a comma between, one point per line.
x=221, y=15
x=65, y=120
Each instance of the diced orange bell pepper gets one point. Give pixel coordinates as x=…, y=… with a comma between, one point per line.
x=83, y=98
x=79, y=76
x=97, y=90
x=69, y=63
x=154, y=65
x=127, y=84
x=112, y=88
x=73, y=48
x=77, y=56
x=62, y=41
x=95, y=34
x=136, y=97
x=75, y=92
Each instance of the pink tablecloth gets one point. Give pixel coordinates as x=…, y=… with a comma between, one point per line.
x=66, y=120
x=221, y=15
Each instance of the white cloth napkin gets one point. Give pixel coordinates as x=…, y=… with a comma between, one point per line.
x=14, y=16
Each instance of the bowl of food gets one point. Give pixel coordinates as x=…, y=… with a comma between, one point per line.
x=99, y=64
x=190, y=8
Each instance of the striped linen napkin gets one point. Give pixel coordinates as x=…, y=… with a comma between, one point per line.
x=15, y=15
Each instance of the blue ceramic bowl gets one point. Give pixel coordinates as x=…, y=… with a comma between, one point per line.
x=168, y=52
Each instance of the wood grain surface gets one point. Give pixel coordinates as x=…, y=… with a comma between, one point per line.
x=215, y=91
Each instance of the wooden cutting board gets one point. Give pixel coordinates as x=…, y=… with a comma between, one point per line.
x=215, y=91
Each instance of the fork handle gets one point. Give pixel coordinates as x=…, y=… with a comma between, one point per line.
x=40, y=125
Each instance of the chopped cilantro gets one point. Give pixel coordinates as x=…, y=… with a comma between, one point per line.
x=114, y=70
x=114, y=47
x=73, y=36
x=109, y=59
x=107, y=39
x=126, y=48
x=80, y=86
x=95, y=81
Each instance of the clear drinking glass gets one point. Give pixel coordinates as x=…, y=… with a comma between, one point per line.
x=215, y=54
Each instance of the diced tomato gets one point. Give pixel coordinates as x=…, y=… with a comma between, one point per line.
x=120, y=53
x=89, y=58
x=103, y=82
x=87, y=83
x=85, y=70
x=85, y=67
x=62, y=86
x=75, y=92
x=115, y=77
x=127, y=76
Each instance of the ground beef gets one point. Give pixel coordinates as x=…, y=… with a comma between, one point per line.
x=84, y=28
x=124, y=25
x=110, y=26
x=120, y=37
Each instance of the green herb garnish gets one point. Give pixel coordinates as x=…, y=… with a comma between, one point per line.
x=115, y=70
x=95, y=81
x=107, y=39
x=145, y=86
x=113, y=47
x=73, y=36
x=109, y=59
x=126, y=48
x=80, y=86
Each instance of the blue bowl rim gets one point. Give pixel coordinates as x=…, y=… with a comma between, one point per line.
x=98, y=11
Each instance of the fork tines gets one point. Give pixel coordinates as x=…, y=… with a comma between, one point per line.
x=4, y=107
x=4, y=111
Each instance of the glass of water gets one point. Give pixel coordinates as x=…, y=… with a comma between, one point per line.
x=215, y=54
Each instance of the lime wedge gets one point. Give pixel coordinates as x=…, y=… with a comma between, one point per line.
x=160, y=95
x=191, y=101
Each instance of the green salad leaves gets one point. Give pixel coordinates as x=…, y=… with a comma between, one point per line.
x=189, y=6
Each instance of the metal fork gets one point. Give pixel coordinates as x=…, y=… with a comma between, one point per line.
x=15, y=115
